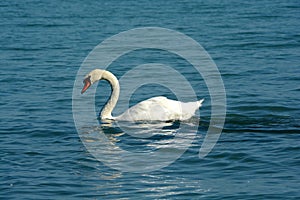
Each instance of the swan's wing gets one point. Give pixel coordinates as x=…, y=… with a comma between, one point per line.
x=189, y=109
x=156, y=108
x=174, y=110
x=160, y=109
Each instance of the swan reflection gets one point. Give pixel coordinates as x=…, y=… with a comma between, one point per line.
x=138, y=146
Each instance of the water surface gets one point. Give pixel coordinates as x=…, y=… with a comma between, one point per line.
x=255, y=46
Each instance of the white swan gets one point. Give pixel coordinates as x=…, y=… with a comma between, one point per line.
x=154, y=109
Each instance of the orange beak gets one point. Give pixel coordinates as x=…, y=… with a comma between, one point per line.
x=87, y=84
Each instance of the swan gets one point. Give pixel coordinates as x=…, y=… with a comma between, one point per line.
x=154, y=109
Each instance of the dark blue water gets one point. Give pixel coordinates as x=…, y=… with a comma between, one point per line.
x=255, y=46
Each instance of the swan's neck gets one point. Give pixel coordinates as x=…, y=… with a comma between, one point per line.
x=112, y=101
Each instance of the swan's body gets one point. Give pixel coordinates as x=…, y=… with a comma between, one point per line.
x=160, y=109
x=154, y=109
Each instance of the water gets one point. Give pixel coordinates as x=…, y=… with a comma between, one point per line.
x=255, y=46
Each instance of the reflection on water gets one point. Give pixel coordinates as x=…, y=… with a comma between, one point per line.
x=139, y=146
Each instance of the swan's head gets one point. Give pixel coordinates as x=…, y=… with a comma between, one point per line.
x=91, y=78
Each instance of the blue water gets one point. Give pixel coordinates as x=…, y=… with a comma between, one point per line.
x=255, y=45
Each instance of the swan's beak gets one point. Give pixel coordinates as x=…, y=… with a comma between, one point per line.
x=87, y=84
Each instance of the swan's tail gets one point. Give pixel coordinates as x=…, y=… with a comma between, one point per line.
x=200, y=102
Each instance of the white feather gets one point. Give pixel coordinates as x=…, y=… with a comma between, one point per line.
x=154, y=109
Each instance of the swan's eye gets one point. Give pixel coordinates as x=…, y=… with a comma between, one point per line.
x=87, y=79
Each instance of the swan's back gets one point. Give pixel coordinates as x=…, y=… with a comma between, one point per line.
x=160, y=109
